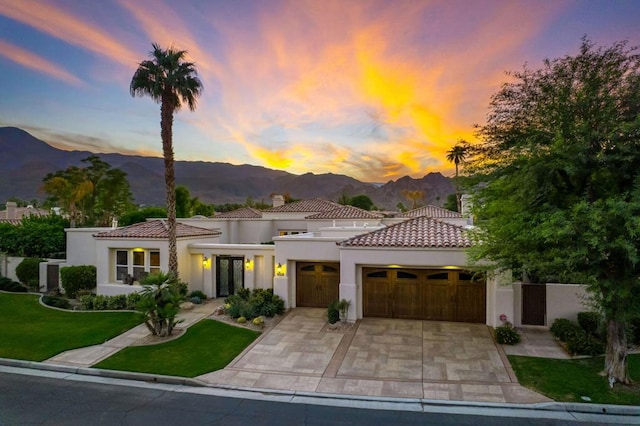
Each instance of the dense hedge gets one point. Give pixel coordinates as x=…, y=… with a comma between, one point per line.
x=7, y=284
x=35, y=236
x=578, y=340
x=75, y=278
x=28, y=272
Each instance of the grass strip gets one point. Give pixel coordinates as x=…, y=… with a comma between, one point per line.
x=34, y=332
x=571, y=380
x=206, y=346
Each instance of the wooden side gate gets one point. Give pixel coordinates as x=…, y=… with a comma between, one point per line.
x=534, y=304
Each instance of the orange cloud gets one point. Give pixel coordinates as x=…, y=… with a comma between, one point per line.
x=37, y=63
x=72, y=29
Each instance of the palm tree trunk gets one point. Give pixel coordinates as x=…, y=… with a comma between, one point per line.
x=458, y=202
x=166, y=126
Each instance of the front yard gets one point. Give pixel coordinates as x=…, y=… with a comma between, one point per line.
x=34, y=332
x=576, y=380
x=206, y=346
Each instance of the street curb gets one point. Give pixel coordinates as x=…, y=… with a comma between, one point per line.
x=569, y=407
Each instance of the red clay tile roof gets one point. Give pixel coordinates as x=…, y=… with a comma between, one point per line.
x=315, y=205
x=11, y=221
x=243, y=213
x=430, y=211
x=21, y=212
x=345, y=212
x=421, y=232
x=157, y=228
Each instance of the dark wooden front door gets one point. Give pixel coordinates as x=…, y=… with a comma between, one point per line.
x=317, y=284
x=439, y=295
x=53, y=281
x=534, y=304
x=229, y=275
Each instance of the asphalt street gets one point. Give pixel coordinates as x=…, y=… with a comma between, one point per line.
x=36, y=400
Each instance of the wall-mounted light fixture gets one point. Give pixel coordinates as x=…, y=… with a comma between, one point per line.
x=280, y=270
x=205, y=261
x=248, y=264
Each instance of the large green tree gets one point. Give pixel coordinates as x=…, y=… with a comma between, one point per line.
x=90, y=195
x=557, y=175
x=173, y=82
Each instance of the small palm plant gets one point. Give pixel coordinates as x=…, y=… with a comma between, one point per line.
x=160, y=303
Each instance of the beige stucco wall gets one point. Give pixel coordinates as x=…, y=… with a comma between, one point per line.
x=81, y=246
x=565, y=301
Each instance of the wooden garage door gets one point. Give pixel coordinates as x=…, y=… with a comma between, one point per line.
x=317, y=284
x=439, y=295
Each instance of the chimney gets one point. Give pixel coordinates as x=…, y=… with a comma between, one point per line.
x=277, y=200
x=11, y=209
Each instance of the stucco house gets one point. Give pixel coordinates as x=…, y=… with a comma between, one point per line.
x=312, y=252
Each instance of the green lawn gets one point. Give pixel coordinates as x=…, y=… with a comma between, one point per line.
x=206, y=346
x=34, y=332
x=570, y=380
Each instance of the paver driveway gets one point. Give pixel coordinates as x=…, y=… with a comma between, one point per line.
x=377, y=357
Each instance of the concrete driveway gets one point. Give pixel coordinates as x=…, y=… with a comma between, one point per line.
x=378, y=357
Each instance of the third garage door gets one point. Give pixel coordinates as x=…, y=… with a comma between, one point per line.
x=441, y=295
x=317, y=284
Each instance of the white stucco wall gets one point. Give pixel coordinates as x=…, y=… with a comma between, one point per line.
x=81, y=246
x=565, y=301
x=8, y=265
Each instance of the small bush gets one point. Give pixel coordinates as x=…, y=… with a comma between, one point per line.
x=241, y=320
x=507, y=335
x=117, y=302
x=199, y=294
x=86, y=302
x=132, y=300
x=259, y=321
x=195, y=300
x=252, y=304
x=244, y=293
x=28, y=272
x=589, y=322
x=333, y=313
x=583, y=343
x=7, y=284
x=100, y=303
x=564, y=329
x=75, y=278
x=248, y=310
x=56, y=301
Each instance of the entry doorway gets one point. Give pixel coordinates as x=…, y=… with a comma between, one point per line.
x=229, y=275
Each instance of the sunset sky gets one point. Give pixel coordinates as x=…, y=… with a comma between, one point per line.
x=372, y=89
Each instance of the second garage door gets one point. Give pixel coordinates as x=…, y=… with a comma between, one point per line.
x=317, y=284
x=442, y=295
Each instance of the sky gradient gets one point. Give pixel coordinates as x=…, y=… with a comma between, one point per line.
x=372, y=89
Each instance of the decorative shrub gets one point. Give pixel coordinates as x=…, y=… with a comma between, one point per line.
x=333, y=313
x=56, y=301
x=199, y=294
x=507, y=335
x=564, y=329
x=258, y=321
x=75, y=278
x=132, y=300
x=7, y=284
x=100, y=302
x=117, y=302
x=86, y=302
x=583, y=343
x=250, y=304
x=589, y=321
x=195, y=300
x=241, y=320
x=28, y=272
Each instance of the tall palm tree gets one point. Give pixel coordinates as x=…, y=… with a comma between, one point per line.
x=171, y=81
x=457, y=155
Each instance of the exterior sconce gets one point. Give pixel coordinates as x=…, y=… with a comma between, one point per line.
x=280, y=270
x=248, y=264
x=205, y=262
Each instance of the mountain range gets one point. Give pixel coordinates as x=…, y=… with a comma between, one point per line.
x=26, y=160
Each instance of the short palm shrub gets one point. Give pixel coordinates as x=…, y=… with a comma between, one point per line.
x=28, y=272
x=160, y=302
x=75, y=278
x=7, y=284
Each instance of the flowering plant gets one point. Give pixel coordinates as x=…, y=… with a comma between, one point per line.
x=503, y=317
